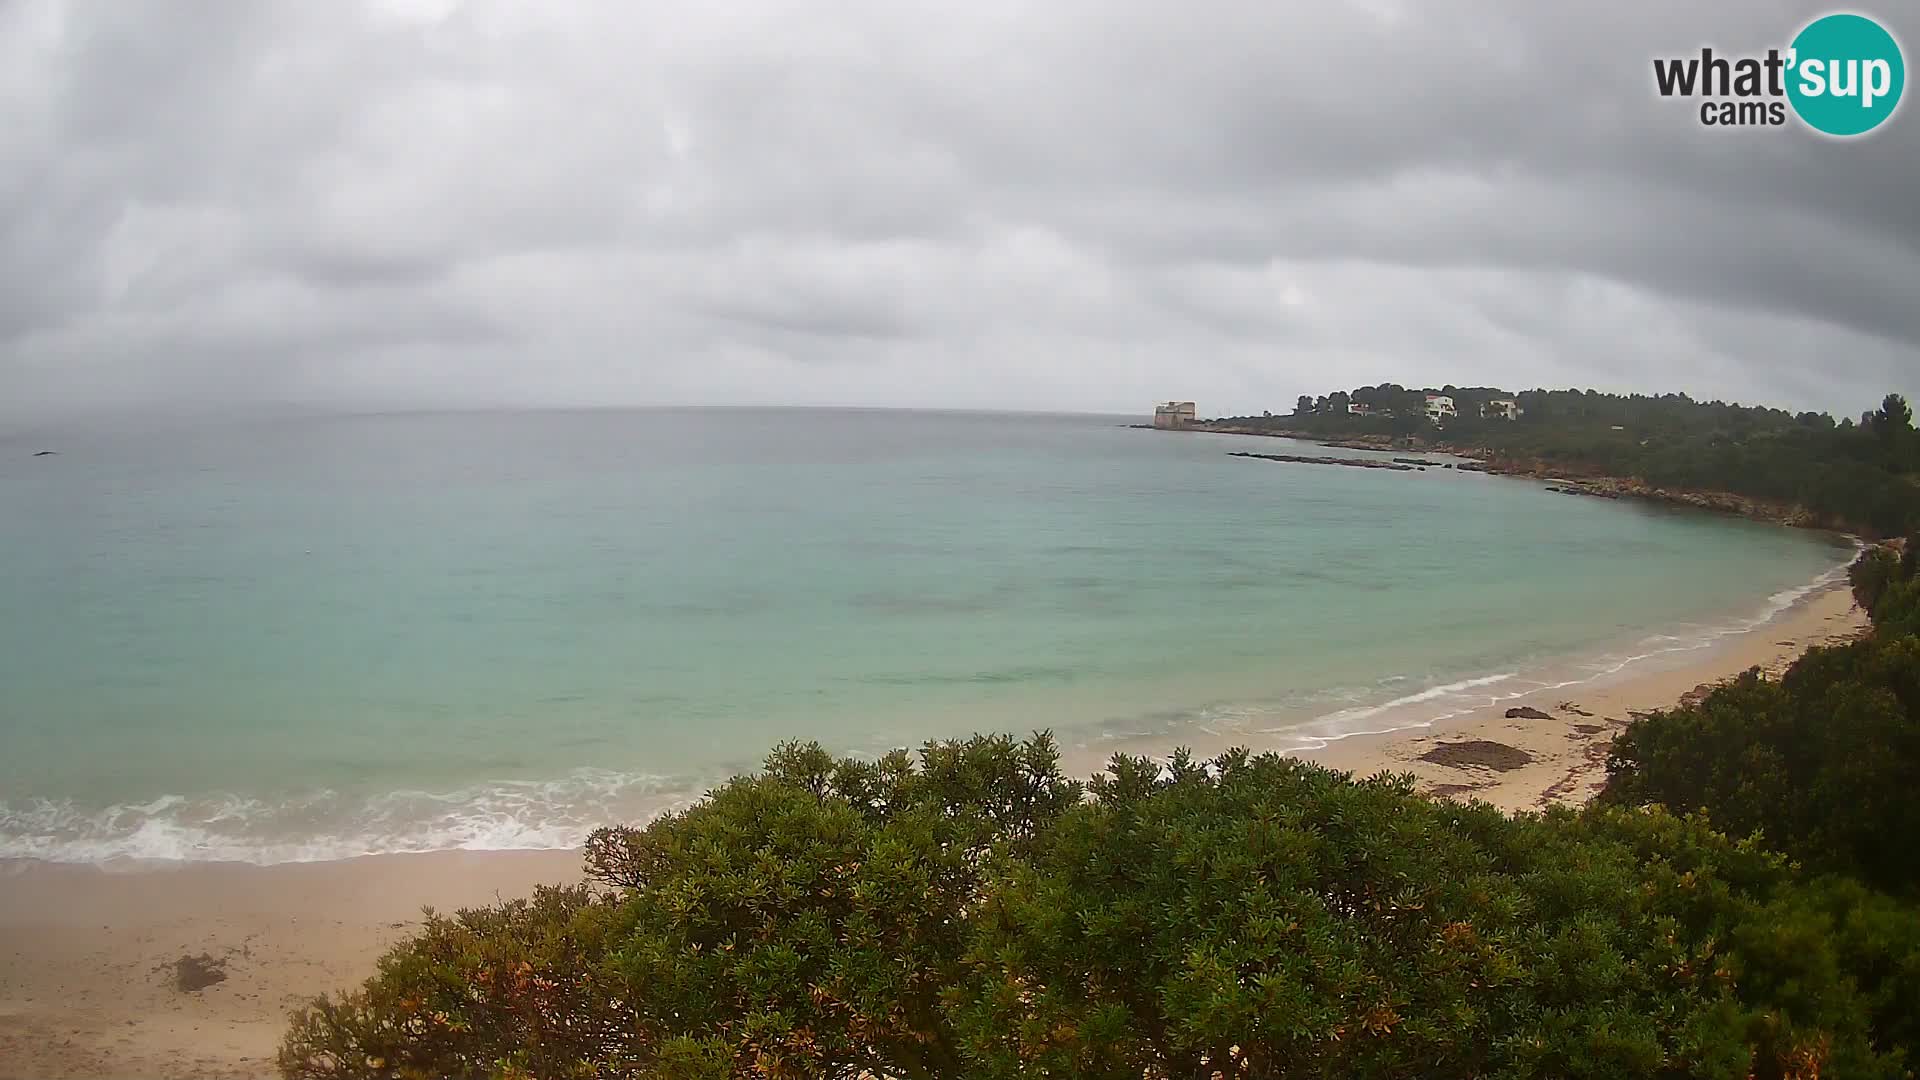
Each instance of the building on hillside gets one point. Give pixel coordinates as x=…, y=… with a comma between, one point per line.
x=1359, y=408
x=1440, y=407
x=1504, y=408
x=1174, y=414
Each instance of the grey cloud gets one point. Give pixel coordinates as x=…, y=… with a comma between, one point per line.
x=1073, y=205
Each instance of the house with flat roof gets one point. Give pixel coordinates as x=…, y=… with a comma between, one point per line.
x=1440, y=407
x=1504, y=408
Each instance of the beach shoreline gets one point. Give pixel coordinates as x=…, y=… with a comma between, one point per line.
x=91, y=990
x=1562, y=732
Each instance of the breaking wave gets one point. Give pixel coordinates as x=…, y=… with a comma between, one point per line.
x=499, y=816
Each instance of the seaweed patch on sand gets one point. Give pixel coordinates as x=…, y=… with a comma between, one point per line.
x=1478, y=753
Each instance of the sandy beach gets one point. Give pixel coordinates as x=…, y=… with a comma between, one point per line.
x=91, y=982
x=89, y=978
x=1555, y=751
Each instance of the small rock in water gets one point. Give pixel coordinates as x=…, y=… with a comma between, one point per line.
x=45, y=453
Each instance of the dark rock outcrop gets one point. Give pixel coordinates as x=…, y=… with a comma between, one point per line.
x=1489, y=460
x=1478, y=753
x=1616, y=487
x=1356, y=463
x=192, y=974
x=1527, y=712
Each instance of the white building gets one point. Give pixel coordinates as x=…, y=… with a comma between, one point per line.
x=1504, y=408
x=1174, y=414
x=1439, y=407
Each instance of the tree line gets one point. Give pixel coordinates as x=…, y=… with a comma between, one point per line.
x=1739, y=904
x=1862, y=475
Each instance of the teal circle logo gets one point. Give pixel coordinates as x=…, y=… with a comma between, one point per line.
x=1845, y=74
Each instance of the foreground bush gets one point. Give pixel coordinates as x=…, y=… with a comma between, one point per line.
x=976, y=914
x=1267, y=918
x=803, y=922
x=519, y=989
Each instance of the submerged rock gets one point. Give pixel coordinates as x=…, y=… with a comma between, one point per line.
x=1356, y=463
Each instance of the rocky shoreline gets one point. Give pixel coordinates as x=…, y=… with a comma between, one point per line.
x=1563, y=478
x=1617, y=487
x=1356, y=463
x=1399, y=464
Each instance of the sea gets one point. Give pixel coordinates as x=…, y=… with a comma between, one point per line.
x=317, y=637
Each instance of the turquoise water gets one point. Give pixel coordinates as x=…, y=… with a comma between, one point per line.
x=323, y=637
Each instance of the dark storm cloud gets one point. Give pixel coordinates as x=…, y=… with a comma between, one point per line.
x=1073, y=205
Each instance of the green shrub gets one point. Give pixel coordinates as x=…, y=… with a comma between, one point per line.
x=802, y=922
x=1263, y=917
x=975, y=914
x=521, y=989
x=1871, y=573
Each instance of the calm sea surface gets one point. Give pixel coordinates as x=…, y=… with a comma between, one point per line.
x=323, y=637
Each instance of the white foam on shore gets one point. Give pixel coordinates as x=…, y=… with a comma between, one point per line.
x=1431, y=693
x=324, y=826
x=1403, y=713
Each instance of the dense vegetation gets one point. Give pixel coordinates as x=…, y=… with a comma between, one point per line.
x=972, y=912
x=1862, y=475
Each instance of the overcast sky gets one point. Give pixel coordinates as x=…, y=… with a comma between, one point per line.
x=1075, y=204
